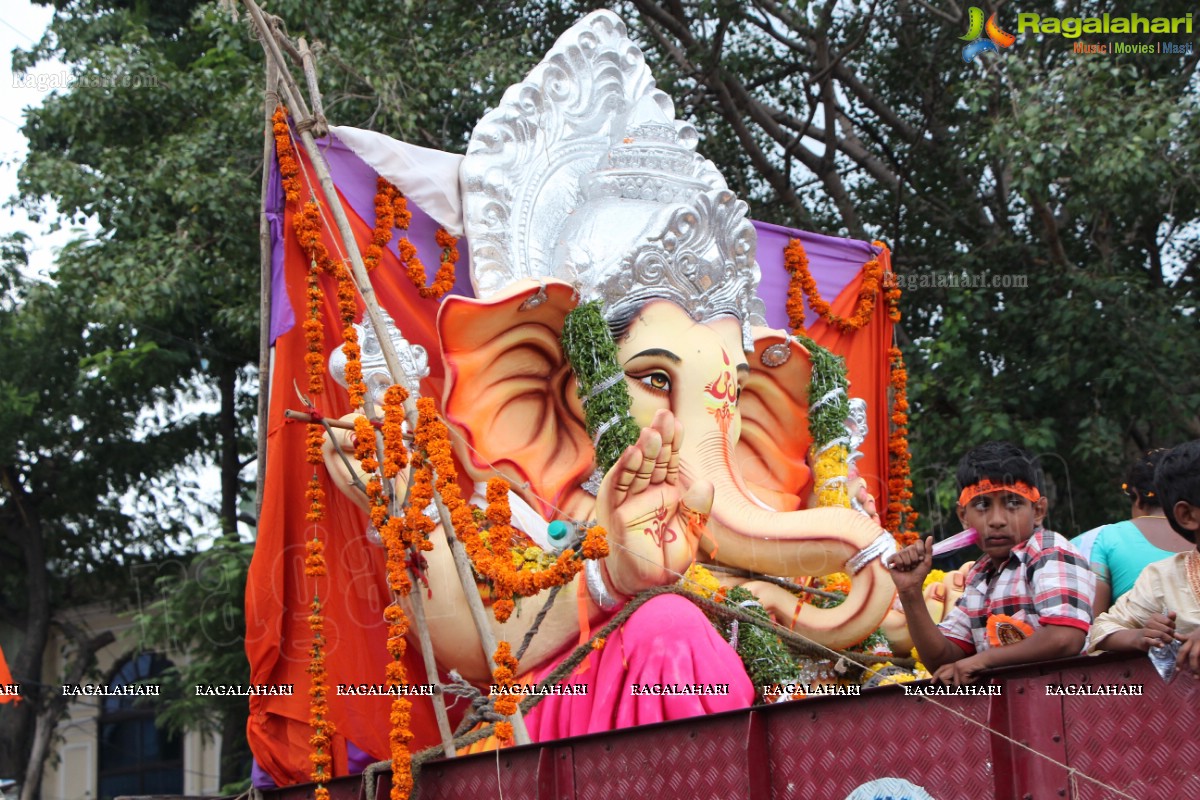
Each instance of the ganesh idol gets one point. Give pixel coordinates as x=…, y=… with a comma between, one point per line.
x=582, y=189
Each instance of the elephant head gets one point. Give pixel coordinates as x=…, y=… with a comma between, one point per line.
x=511, y=394
x=582, y=185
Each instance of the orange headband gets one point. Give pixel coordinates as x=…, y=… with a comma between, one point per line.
x=986, y=486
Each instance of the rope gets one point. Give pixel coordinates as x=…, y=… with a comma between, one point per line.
x=604, y=428
x=1072, y=773
x=537, y=621
x=605, y=385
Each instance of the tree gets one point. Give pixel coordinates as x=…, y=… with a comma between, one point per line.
x=154, y=312
x=159, y=142
x=1077, y=173
x=82, y=497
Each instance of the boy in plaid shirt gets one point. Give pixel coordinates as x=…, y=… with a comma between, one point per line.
x=1028, y=599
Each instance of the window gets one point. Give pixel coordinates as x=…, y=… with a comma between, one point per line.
x=136, y=758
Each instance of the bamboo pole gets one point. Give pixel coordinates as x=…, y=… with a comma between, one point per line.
x=314, y=93
x=304, y=124
x=264, y=304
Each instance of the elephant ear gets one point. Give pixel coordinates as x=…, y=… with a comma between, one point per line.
x=774, y=409
x=511, y=393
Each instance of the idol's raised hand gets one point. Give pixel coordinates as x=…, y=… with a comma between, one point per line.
x=653, y=520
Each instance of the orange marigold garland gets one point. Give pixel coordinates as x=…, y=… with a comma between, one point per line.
x=401, y=717
x=900, y=514
x=314, y=333
x=891, y=294
x=802, y=285
x=395, y=456
x=348, y=309
x=315, y=495
x=364, y=444
x=288, y=168
x=318, y=692
x=307, y=225
x=396, y=545
x=491, y=556
x=444, y=279
x=385, y=220
x=503, y=676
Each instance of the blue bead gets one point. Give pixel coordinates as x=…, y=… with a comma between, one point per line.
x=557, y=530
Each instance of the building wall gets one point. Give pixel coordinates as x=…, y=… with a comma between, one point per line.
x=72, y=772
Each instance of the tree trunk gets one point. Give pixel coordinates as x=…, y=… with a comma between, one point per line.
x=17, y=720
x=230, y=466
x=56, y=705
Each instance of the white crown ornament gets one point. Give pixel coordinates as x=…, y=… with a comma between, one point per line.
x=583, y=174
x=376, y=375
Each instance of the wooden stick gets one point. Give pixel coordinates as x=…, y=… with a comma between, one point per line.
x=264, y=302
x=309, y=64
x=359, y=274
x=431, y=668
x=300, y=416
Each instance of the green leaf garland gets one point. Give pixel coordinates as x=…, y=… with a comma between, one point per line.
x=592, y=353
x=828, y=422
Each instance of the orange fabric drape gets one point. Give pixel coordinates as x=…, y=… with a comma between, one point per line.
x=354, y=592
x=865, y=351
x=6, y=679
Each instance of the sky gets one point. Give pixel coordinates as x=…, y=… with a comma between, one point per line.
x=21, y=26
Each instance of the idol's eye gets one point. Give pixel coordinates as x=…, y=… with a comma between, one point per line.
x=657, y=381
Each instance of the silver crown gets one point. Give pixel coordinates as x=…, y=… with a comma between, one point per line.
x=582, y=173
x=376, y=375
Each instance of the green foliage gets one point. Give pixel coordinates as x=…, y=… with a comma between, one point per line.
x=157, y=145
x=197, y=607
x=767, y=660
x=589, y=347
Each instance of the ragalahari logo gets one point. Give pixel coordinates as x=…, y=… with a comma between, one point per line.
x=995, y=40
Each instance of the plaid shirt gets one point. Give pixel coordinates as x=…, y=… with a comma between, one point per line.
x=1044, y=582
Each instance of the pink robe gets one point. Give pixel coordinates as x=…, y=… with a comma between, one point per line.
x=666, y=641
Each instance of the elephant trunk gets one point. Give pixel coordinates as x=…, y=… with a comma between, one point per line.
x=750, y=535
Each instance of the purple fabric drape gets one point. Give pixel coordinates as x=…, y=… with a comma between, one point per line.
x=833, y=262
x=356, y=182
x=282, y=317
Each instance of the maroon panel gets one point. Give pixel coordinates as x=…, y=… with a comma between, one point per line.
x=826, y=748
x=1142, y=747
x=1034, y=719
x=556, y=774
x=512, y=774
x=1146, y=747
x=704, y=758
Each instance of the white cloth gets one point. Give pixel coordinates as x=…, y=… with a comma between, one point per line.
x=1162, y=586
x=428, y=177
